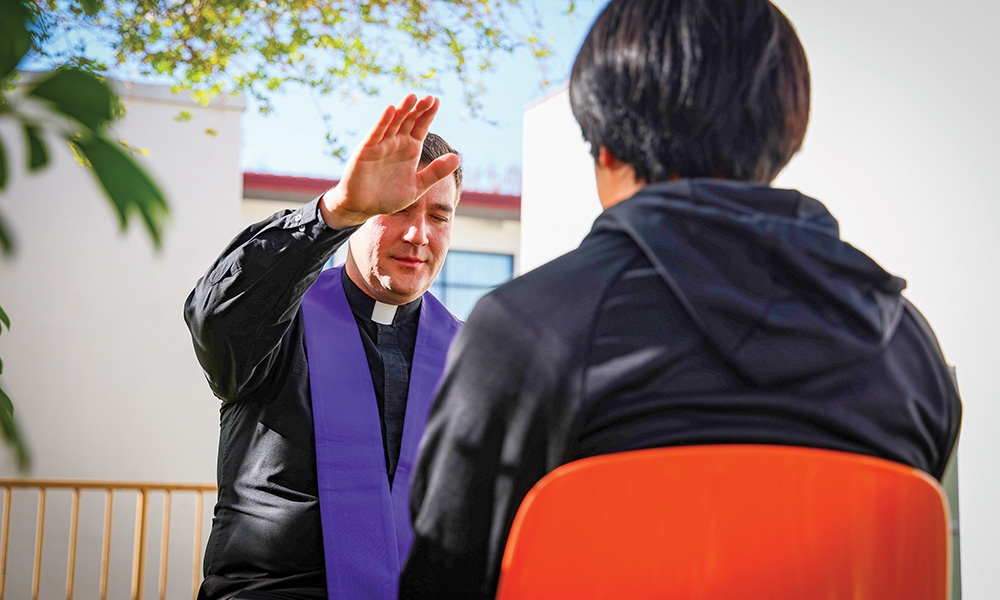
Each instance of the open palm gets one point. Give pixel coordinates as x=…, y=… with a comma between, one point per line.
x=383, y=174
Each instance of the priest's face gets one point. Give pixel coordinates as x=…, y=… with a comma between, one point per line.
x=395, y=258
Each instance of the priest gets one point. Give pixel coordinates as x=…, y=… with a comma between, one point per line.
x=326, y=376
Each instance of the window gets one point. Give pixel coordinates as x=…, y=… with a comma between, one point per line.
x=468, y=276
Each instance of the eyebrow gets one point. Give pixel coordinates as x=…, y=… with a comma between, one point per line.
x=443, y=207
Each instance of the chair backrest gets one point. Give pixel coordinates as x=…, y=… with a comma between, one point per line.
x=730, y=521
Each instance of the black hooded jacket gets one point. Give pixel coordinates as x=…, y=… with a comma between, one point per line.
x=696, y=312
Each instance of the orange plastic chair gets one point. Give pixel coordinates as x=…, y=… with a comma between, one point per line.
x=732, y=521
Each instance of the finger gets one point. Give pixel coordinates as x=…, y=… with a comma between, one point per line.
x=403, y=110
x=422, y=124
x=377, y=132
x=441, y=167
x=425, y=104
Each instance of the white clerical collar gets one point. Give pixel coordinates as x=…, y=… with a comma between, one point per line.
x=383, y=313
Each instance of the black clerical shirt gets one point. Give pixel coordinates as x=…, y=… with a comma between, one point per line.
x=248, y=335
x=405, y=325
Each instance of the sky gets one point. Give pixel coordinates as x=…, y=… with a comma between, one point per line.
x=291, y=141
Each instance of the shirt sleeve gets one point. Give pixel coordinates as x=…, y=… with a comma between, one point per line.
x=490, y=437
x=242, y=307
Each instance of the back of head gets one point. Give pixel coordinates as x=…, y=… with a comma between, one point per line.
x=693, y=88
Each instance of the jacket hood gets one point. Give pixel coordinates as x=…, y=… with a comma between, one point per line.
x=762, y=273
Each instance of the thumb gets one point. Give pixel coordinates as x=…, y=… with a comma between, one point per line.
x=441, y=167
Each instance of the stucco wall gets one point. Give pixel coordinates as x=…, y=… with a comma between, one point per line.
x=98, y=360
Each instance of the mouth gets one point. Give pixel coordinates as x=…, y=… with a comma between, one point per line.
x=408, y=261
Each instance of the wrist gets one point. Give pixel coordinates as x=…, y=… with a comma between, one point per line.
x=331, y=208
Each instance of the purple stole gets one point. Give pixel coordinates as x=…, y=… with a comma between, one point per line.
x=366, y=527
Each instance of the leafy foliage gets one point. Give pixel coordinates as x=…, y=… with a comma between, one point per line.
x=345, y=47
x=78, y=106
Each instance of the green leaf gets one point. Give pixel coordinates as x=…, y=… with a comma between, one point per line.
x=4, y=318
x=8, y=427
x=91, y=7
x=5, y=404
x=78, y=94
x=127, y=186
x=6, y=246
x=15, y=40
x=39, y=156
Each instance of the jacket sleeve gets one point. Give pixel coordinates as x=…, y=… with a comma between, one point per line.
x=939, y=416
x=488, y=440
x=240, y=310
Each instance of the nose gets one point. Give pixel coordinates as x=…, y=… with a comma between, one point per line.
x=416, y=233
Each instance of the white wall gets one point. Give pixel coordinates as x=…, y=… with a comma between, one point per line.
x=558, y=194
x=902, y=147
x=98, y=360
x=497, y=236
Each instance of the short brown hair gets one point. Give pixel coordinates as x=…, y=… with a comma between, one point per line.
x=434, y=147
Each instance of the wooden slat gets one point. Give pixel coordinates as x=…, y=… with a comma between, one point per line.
x=106, y=544
x=198, y=516
x=36, y=573
x=4, y=537
x=139, y=549
x=143, y=490
x=74, y=521
x=164, y=545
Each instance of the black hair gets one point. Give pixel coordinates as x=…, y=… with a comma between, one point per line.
x=693, y=88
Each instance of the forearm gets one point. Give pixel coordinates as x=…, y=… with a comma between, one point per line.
x=247, y=300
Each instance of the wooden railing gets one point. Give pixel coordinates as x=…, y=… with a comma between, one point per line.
x=143, y=492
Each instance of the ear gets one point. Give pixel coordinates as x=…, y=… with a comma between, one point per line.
x=605, y=158
x=616, y=180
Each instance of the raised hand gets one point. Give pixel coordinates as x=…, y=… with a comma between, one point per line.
x=383, y=174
